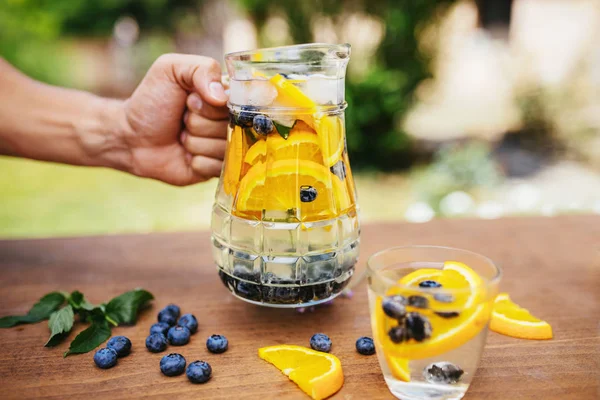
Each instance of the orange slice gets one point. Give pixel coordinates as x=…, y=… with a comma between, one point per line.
x=300, y=145
x=257, y=152
x=318, y=374
x=510, y=319
x=233, y=160
x=330, y=128
x=399, y=368
x=276, y=187
x=447, y=333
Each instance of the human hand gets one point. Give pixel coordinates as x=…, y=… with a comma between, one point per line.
x=160, y=146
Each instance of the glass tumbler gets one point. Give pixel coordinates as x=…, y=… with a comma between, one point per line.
x=430, y=308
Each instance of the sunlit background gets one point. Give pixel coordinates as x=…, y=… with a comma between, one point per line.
x=456, y=108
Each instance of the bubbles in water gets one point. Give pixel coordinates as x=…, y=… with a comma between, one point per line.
x=442, y=372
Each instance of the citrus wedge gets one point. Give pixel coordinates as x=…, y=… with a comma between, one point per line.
x=276, y=187
x=447, y=333
x=330, y=128
x=318, y=374
x=256, y=152
x=301, y=145
x=510, y=319
x=399, y=368
x=233, y=160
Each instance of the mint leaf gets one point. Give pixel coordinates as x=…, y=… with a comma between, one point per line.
x=123, y=309
x=78, y=301
x=39, y=312
x=284, y=131
x=90, y=338
x=60, y=325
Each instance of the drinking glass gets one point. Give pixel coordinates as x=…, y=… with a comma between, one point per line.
x=430, y=308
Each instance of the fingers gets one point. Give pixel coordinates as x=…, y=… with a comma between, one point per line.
x=206, y=166
x=202, y=74
x=195, y=104
x=199, y=126
x=209, y=147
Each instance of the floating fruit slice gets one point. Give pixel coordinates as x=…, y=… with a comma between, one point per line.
x=318, y=374
x=277, y=188
x=510, y=319
x=399, y=368
x=233, y=161
x=447, y=332
x=329, y=128
x=257, y=152
x=300, y=145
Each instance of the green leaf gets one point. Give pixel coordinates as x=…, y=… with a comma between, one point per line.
x=123, y=309
x=284, y=131
x=78, y=301
x=90, y=338
x=39, y=312
x=60, y=325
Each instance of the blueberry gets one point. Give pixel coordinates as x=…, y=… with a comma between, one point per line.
x=199, y=371
x=418, y=301
x=418, y=326
x=189, y=321
x=447, y=314
x=246, y=115
x=120, y=344
x=442, y=372
x=443, y=297
x=430, y=284
x=217, y=344
x=365, y=346
x=178, y=335
x=320, y=342
x=308, y=194
x=174, y=309
x=339, y=170
x=394, y=307
x=262, y=124
x=398, y=334
x=172, y=364
x=160, y=327
x=165, y=315
x=156, y=342
x=105, y=358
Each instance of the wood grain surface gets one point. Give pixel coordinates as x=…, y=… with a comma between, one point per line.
x=551, y=266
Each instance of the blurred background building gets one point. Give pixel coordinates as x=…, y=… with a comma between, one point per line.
x=480, y=109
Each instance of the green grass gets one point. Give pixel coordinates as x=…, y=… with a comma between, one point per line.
x=42, y=199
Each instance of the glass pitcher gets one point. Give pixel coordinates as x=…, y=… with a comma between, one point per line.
x=285, y=229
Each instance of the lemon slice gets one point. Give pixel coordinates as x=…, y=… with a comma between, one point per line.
x=330, y=128
x=318, y=374
x=510, y=319
x=447, y=333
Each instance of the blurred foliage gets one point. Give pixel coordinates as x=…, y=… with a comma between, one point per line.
x=378, y=100
x=30, y=29
x=463, y=167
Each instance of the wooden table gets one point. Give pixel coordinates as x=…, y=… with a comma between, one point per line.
x=551, y=266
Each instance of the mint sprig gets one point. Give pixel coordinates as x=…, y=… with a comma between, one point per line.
x=284, y=131
x=121, y=310
x=60, y=325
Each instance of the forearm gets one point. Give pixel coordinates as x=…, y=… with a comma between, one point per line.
x=48, y=123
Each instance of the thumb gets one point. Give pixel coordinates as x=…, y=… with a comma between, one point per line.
x=197, y=73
